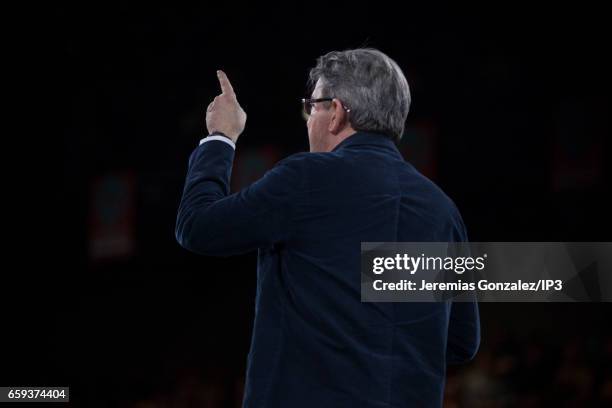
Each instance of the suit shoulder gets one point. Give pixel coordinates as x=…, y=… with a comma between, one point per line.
x=305, y=160
x=443, y=208
x=442, y=198
x=294, y=158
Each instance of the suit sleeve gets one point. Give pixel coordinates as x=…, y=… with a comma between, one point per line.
x=463, y=332
x=464, y=322
x=210, y=221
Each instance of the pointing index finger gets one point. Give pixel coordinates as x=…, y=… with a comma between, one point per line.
x=226, y=86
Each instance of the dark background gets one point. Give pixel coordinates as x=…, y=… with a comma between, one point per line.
x=510, y=116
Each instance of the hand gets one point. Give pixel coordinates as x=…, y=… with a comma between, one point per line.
x=224, y=113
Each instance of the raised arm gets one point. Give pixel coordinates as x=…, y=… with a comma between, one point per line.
x=212, y=222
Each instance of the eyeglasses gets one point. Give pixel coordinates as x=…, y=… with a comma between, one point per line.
x=309, y=103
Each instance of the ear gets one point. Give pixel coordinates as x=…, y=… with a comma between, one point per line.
x=339, y=118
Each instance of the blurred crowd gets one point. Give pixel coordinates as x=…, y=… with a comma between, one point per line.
x=507, y=372
x=510, y=372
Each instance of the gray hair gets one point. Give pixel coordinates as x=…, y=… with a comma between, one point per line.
x=368, y=82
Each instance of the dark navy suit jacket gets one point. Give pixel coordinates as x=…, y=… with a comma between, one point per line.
x=315, y=344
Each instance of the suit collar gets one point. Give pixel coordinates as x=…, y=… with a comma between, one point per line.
x=366, y=138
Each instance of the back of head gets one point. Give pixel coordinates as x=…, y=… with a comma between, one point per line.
x=371, y=84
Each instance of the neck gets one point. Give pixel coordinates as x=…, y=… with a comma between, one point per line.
x=337, y=139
